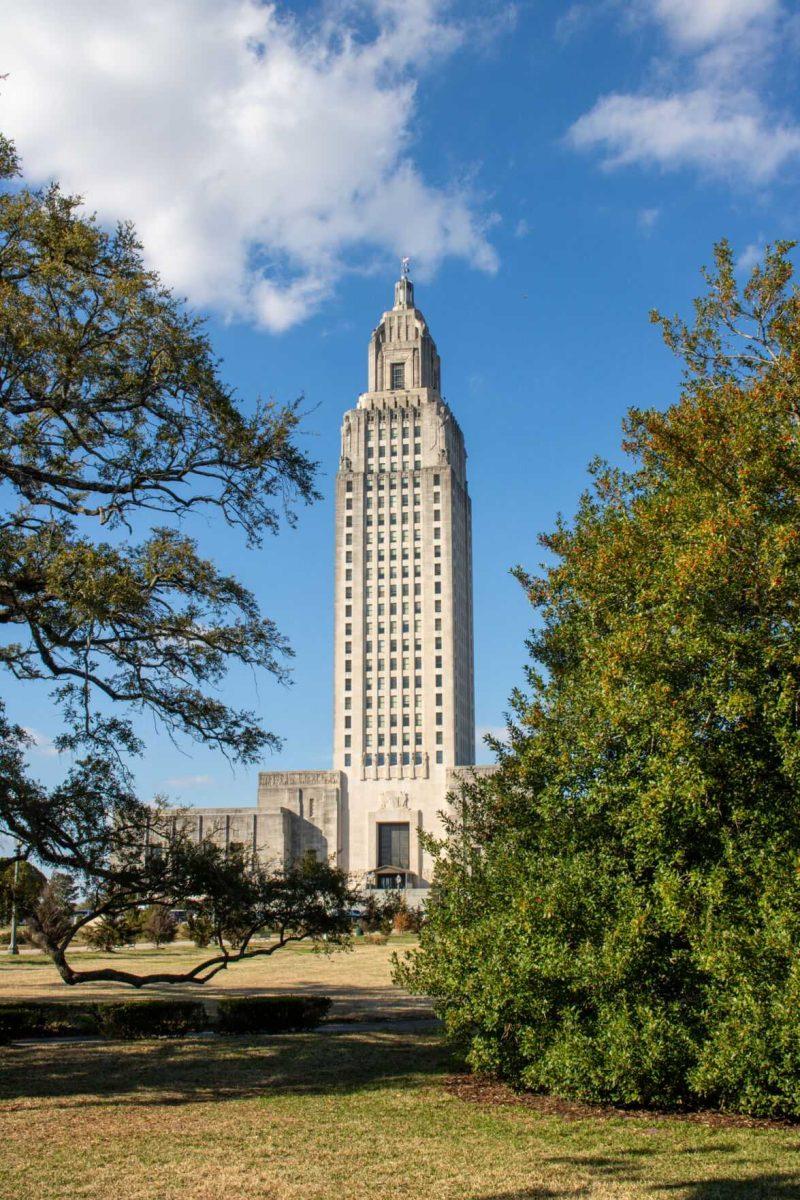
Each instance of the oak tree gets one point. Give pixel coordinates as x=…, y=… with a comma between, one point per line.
x=116, y=427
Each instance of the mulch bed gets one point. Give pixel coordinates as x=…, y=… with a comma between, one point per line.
x=482, y=1089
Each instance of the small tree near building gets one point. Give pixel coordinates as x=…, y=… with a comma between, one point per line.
x=159, y=926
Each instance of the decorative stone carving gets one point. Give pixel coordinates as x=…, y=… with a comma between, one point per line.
x=298, y=778
x=394, y=800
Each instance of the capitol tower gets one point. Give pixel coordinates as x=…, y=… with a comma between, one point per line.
x=404, y=708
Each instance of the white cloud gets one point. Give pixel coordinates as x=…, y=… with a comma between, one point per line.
x=700, y=22
x=42, y=744
x=752, y=254
x=499, y=732
x=717, y=132
x=522, y=228
x=188, y=781
x=713, y=113
x=647, y=218
x=254, y=153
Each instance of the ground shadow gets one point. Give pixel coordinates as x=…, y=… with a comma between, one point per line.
x=196, y=1070
x=759, y=1187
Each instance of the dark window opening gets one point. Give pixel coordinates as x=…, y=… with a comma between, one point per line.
x=398, y=375
x=393, y=845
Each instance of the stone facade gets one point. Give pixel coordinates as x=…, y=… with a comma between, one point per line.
x=404, y=711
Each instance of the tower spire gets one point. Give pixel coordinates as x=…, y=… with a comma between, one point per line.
x=404, y=288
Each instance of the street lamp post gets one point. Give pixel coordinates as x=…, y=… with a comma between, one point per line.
x=13, y=948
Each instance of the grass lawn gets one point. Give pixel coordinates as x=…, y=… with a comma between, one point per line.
x=339, y=1117
x=332, y=1116
x=358, y=981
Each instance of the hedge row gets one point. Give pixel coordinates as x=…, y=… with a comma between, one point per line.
x=271, y=1014
x=161, y=1018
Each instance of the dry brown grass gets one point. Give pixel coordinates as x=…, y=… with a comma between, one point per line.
x=328, y=1116
x=358, y=980
x=338, y=1117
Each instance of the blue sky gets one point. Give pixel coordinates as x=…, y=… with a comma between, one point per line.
x=554, y=170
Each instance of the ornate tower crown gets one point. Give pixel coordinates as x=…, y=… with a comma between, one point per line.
x=402, y=353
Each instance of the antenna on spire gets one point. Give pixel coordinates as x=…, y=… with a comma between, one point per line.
x=404, y=288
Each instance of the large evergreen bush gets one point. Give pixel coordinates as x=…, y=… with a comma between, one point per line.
x=617, y=913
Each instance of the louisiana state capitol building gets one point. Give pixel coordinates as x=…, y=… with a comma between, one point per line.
x=404, y=708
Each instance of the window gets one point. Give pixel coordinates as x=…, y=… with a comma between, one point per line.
x=398, y=375
x=393, y=845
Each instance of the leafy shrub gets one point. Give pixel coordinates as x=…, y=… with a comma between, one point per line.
x=376, y=939
x=150, y=1018
x=28, y=1020
x=379, y=911
x=109, y=933
x=407, y=919
x=271, y=1014
x=617, y=911
x=159, y=926
x=199, y=928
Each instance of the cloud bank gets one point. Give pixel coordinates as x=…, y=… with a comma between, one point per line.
x=254, y=153
x=711, y=110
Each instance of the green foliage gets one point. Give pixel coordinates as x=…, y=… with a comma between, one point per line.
x=112, y=931
x=39, y=1019
x=617, y=912
x=150, y=1018
x=115, y=425
x=21, y=882
x=158, y=925
x=408, y=919
x=200, y=928
x=236, y=895
x=160, y=1018
x=270, y=1014
x=378, y=912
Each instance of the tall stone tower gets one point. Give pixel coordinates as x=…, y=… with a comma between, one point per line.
x=404, y=709
x=404, y=712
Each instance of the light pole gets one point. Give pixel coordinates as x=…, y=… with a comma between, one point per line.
x=13, y=948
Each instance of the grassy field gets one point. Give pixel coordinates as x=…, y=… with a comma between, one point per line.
x=335, y=1116
x=358, y=981
x=339, y=1117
